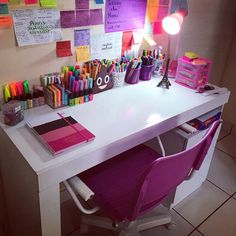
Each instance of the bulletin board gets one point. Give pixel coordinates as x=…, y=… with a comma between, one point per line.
x=29, y=61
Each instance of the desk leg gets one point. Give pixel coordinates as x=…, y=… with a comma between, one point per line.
x=50, y=211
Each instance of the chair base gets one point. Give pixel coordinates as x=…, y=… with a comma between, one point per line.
x=126, y=228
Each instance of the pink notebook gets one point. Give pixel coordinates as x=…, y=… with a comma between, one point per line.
x=62, y=134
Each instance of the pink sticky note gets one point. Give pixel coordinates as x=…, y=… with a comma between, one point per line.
x=82, y=18
x=96, y=17
x=3, y=1
x=27, y=2
x=162, y=12
x=157, y=27
x=63, y=49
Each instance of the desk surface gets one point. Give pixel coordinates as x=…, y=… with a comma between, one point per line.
x=132, y=112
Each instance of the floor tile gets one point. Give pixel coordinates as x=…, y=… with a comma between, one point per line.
x=195, y=233
x=201, y=203
x=234, y=196
x=222, y=171
x=223, y=134
x=183, y=228
x=227, y=145
x=222, y=222
x=93, y=231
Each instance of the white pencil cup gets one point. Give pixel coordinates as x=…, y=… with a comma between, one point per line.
x=118, y=79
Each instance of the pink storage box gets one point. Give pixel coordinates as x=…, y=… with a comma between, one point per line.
x=191, y=75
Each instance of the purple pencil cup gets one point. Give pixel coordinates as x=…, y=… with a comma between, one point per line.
x=132, y=75
x=146, y=72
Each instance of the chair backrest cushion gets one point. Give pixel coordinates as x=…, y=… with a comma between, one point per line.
x=166, y=173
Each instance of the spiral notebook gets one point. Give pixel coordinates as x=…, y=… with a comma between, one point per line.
x=61, y=134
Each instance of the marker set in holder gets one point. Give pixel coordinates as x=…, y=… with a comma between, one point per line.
x=70, y=87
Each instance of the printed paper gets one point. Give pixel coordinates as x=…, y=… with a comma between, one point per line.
x=125, y=15
x=106, y=46
x=82, y=37
x=82, y=54
x=36, y=26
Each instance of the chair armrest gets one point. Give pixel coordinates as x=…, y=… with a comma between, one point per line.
x=83, y=190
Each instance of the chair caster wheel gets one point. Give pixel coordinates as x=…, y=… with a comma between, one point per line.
x=171, y=226
x=83, y=228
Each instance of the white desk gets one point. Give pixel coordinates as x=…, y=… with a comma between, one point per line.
x=121, y=118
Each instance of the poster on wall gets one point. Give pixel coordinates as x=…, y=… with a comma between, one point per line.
x=106, y=46
x=36, y=26
x=125, y=15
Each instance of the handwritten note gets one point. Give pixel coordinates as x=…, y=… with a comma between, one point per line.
x=67, y=19
x=14, y=1
x=28, y=2
x=82, y=18
x=125, y=15
x=48, y=3
x=82, y=54
x=81, y=4
x=63, y=49
x=96, y=17
x=36, y=26
x=82, y=37
x=106, y=45
x=4, y=9
x=5, y=21
x=3, y=1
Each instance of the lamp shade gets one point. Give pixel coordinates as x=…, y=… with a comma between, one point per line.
x=172, y=23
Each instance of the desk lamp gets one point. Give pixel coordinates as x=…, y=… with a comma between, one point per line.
x=172, y=25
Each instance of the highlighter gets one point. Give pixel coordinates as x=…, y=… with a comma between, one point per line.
x=26, y=86
x=6, y=91
x=13, y=89
x=71, y=99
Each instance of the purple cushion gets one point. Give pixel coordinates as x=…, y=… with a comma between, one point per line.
x=115, y=180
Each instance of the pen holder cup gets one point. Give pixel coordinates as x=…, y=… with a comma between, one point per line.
x=118, y=79
x=146, y=72
x=158, y=65
x=132, y=75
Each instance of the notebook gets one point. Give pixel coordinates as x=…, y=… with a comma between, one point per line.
x=61, y=134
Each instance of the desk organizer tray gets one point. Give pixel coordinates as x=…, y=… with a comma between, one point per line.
x=193, y=74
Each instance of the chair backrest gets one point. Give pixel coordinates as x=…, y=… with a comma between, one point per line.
x=166, y=173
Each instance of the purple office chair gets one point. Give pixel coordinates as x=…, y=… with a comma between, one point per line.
x=134, y=182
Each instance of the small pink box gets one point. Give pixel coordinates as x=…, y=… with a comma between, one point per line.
x=193, y=74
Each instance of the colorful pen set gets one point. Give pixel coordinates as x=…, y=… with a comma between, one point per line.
x=156, y=53
x=147, y=58
x=20, y=91
x=70, y=87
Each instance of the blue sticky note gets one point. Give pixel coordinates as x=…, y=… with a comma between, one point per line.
x=99, y=1
x=4, y=9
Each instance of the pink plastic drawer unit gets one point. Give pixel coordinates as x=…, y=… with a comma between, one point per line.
x=192, y=75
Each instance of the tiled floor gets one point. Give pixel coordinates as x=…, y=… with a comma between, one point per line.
x=209, y=211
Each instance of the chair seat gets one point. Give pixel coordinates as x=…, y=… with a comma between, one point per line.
x=109, y=178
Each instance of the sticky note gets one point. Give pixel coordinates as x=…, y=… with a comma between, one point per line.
x=67, y=19
x=152, y=10
x=127, y=41
x=96, y=17
x=63, y=48
x=164, y=2
x=81, y=4
x=82, y=37
x=82, y=18
x=3, y=1
x=99, y=1
x=148, y=28
x=157, y=27
x=15, y=1
x=82, y=54
x=48, y=3
x=162, y=12
x=28, y=2
x=4, y=9
x=5, y=21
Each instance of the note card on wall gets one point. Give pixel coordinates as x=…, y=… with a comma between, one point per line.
x=106, y=45
x=125, y=15
x=48, y=3
x=36, y=26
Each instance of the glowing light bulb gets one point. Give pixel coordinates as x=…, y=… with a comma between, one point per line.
x=171, y=24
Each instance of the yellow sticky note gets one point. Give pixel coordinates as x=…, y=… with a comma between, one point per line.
x=82, y=54
x=152, y=10
x=48, y=3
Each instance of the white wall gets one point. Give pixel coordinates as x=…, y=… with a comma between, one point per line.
x=207, y=30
